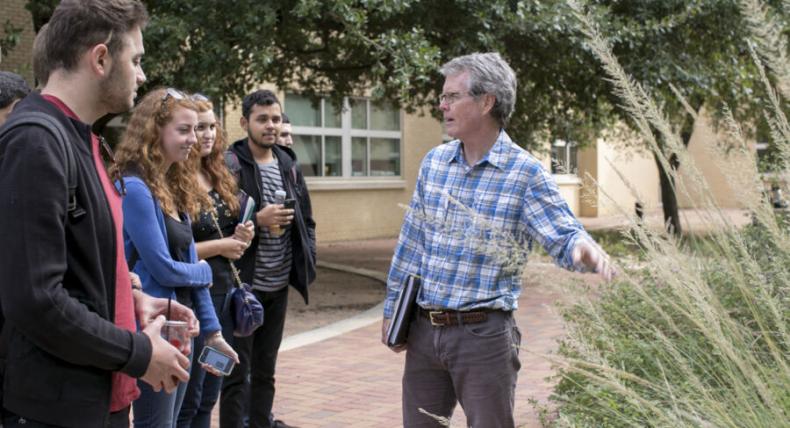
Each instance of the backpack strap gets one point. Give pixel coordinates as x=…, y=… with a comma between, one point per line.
x=61, y=136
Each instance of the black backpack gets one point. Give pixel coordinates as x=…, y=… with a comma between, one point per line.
x=54, y=127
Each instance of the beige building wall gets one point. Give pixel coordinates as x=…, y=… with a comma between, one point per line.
x=19, y=59
x=570, y=189
x=363, y=208
x=712, y=163
x=639, y=179
x=606, y=193
x=587, y=159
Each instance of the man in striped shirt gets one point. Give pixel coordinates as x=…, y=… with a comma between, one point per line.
x=282, y=253
x=479, y=201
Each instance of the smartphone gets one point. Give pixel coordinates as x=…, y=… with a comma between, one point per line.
x=221, y=362
x=289, y=204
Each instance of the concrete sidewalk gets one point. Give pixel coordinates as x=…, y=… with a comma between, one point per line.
x=351, y=380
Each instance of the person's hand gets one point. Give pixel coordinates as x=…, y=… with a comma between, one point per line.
x=244, y=232
x=218, y=342
x=232, y=248
x=593, y=258
x=274, y=215
x=135, y=280
x=168, y=366
x=147, y=308
x=385, y=324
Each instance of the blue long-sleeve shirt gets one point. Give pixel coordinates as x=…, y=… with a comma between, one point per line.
x=468, y=227
x=144, y=229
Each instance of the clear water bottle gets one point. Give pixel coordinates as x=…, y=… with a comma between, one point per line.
x=279, y=199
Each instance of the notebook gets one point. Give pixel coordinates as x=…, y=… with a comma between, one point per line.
x=405, y=306
x=247, y=208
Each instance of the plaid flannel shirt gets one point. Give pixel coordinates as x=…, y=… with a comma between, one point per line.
x=468, y=228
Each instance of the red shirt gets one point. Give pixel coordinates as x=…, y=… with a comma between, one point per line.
x=124, y=387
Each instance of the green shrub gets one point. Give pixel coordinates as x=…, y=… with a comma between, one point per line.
x=698, y=335
x=640, y=357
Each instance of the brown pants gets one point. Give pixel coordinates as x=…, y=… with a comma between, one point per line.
x=474, y=364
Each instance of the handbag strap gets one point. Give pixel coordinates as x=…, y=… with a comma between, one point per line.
x=233, y=269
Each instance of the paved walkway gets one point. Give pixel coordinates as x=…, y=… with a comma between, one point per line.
x=341, y=376
x=351, y=380
x=690, y=219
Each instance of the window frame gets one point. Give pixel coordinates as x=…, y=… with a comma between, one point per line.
x=574, y=169
x=347, y=133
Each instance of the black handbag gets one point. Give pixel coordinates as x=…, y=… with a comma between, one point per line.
x=245, y=309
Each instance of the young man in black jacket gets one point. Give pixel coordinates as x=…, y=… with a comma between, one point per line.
x=282, y=253
x=69, y=343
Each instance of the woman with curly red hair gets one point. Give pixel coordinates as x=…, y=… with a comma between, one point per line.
x=161, y=197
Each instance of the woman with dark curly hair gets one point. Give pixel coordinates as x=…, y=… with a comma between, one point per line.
x=161, y=196
x=219, y=247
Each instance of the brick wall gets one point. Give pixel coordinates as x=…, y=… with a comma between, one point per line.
x=19, y=59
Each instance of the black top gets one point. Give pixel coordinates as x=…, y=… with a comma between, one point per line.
x=179, y=238
x=203, y=229
x=58, y=369
x=242, y=164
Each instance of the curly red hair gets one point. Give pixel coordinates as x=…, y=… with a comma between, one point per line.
x=140, y=152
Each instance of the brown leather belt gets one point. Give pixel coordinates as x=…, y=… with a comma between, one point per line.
x=450, y=318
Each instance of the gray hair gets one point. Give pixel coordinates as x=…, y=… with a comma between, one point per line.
x=488, y=74
x=12, y=87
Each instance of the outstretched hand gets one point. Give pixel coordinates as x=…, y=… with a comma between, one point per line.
x=593, y=258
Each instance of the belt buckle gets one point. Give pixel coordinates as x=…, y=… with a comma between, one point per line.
x=432, y=314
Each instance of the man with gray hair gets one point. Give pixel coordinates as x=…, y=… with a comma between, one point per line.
x=12, y=89
x=463, y=342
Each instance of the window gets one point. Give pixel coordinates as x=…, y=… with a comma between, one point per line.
x=563, y=157
x=362, y=139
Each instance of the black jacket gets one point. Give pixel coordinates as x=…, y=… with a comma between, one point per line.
x=57, y=280
x=303, y=235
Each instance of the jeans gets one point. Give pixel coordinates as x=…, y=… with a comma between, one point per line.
x=203, y=388
x=258, y=356
x=474, y=364
x=158, y=409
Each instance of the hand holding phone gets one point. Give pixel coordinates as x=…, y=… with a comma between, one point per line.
x=215, y=359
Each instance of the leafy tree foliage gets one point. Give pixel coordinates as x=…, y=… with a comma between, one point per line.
x=10, y=38
x=393, y=48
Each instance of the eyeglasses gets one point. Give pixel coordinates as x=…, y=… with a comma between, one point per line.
x=452, y=97
x=178, y=95
x=197, y=96
x=173, y=93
